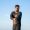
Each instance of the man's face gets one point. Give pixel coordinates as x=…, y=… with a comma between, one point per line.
x=17, y=9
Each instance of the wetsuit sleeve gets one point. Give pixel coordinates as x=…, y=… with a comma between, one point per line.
x=21, y=14
x=19, y=18
x=11, y=15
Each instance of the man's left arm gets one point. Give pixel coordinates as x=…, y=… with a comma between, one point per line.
x=21, y=14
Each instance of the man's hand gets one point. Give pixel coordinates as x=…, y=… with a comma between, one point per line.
x=14, y=19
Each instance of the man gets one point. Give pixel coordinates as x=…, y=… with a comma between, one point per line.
x=16, y=17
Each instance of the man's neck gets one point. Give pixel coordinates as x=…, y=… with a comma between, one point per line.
x=16, y=12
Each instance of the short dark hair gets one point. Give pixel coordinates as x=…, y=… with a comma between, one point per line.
x=16, y=6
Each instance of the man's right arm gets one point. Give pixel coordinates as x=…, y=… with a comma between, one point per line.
x=11, y=16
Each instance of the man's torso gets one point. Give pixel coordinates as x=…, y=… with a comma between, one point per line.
x=15, y=20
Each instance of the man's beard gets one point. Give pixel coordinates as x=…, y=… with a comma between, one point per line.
x=17, y=11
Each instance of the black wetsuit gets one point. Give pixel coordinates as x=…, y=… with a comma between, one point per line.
x=18, y=25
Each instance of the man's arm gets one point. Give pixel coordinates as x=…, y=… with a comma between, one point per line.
x=20, y=16
x=11, y=16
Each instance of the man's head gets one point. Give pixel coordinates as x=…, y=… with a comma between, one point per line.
x=17, y=8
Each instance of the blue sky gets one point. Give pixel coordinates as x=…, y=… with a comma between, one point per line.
x=7, y=6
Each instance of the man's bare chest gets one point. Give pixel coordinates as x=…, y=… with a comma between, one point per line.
x=15, y=21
